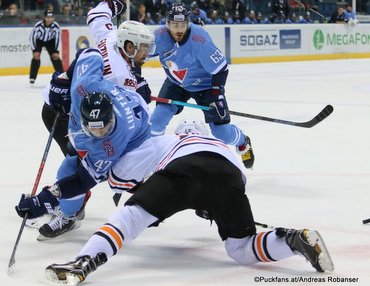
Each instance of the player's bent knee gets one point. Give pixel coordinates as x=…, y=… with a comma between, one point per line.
x=240, y=251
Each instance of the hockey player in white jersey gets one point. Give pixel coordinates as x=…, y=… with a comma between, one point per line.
x=122, y=48
x=196, y=69
x=124, y=51
x=106, y=121
x=190, y=172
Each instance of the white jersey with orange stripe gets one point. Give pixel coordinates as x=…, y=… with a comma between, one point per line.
x=116, y=68
x=157, y=152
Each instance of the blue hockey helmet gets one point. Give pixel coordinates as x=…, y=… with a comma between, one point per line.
x=97, y=115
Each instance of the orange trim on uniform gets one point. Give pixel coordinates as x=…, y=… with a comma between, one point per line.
x=114, y=183
x=113, y=234
x=259, y=247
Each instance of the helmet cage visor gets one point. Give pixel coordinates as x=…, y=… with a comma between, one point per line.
x=98, y=129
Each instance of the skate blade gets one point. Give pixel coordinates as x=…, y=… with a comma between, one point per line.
x=70, y=279
x=324, y=259
x=43, y=238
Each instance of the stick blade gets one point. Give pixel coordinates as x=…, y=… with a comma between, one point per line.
x=365, y=221
x=318, y=118
x=11, y=267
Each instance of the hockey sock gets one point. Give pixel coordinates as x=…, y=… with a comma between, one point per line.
x=123, y=227
x=57, y=64
x=228, y=133
x=276, y=247
x=261, y=247
x=35, y=65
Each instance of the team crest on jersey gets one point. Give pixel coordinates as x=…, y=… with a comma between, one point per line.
x=177, y=74
x=82, y=153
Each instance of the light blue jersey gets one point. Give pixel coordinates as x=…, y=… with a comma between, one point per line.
x=192, y=62
x=132, y=126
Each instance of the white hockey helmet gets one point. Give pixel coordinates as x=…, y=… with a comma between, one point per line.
x=187, y=126
x=137, y=33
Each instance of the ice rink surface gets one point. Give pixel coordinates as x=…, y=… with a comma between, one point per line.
x=315, y=178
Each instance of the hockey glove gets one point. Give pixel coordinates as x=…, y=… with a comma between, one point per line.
x=142, y=86
x=36, y=206
x=59, y=94
x=144, y=90
x=219, y=113
x=117, y=6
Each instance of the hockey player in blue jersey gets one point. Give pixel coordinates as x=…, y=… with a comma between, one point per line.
x=196, y=69
x=106, y=121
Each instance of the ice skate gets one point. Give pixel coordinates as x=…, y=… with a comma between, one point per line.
x=76, y=271
x=310, y=244
x=57, y=226
x=36, y=223
x=246, y=152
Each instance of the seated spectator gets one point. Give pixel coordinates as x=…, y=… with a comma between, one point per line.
x=148, y=20
x=277, y=19
x=80, y=18
x=280, y=10
x=306, y=19
x=160, y=19
x=13, y=10
x=261, y=19
x=349, y=13
x=155, y=6
x=197, y=11
x=65, y=18
x=250, y=19
x=195, y=17
x=213, y=18
x=227, y=18
x=337, y=17
x=204, y=5
x=139, y=14
x=292, y=19
x=13, y=16
x=236, y=17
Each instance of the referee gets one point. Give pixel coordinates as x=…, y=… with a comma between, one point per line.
x=45, y=33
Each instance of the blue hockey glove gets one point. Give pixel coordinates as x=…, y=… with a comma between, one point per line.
x=117, y=6
x=219, y=113
x=36, y=206
x=59, y=94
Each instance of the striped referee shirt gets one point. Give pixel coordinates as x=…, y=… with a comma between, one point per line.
x=45, y=34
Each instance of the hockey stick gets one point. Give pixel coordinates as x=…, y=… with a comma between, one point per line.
x=35, y=185
x=365, y=221
x=263, y=225
x=176, y=102
x=307, y=124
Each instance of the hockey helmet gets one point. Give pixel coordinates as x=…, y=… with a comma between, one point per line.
x=137, y=33
x=187, y=126
x=178, y=12
x=97, y=115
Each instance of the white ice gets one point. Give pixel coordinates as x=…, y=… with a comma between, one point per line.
x=315, y=178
